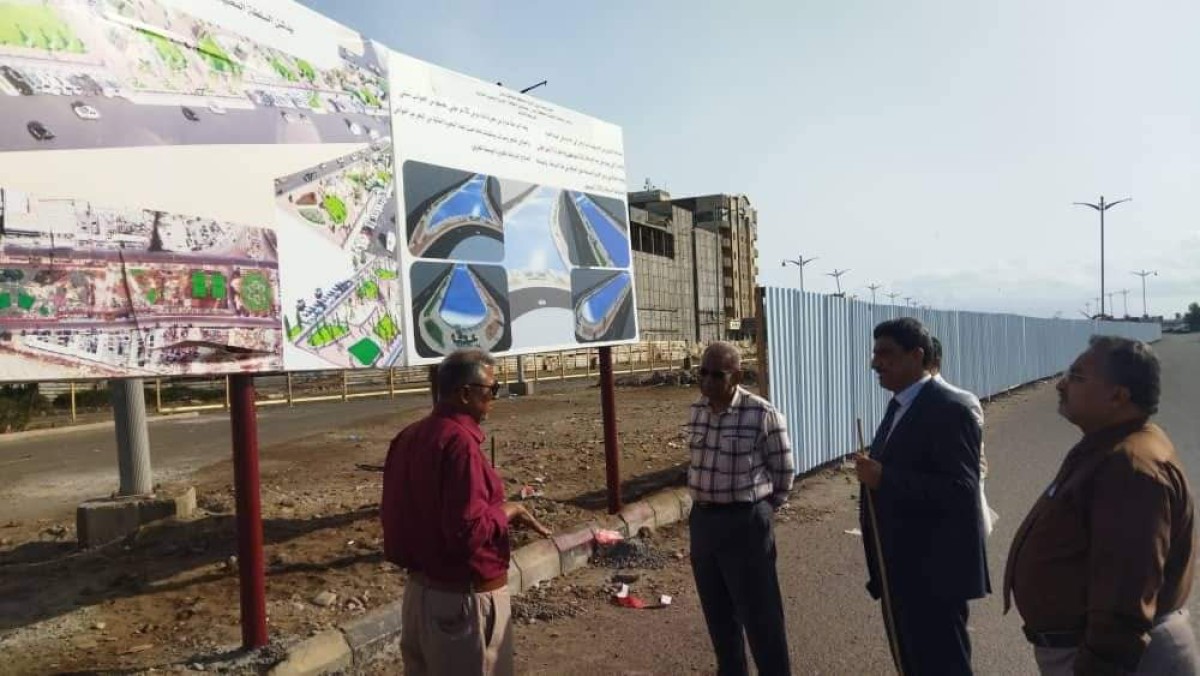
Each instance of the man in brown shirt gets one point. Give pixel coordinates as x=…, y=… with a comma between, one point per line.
x=1101, y=567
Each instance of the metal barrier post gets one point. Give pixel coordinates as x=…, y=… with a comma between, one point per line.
x=392, y=383
x=345, y=386
x=289, y=388
x=226, y=393
x=72, y=401
x=158, y=396
x=562, y=365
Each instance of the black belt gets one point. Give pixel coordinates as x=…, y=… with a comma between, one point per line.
x=1073, y=638
x=1054, y=639
x=725, y=506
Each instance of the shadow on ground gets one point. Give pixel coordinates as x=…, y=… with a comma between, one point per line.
x=634, y=489
x=42, y=580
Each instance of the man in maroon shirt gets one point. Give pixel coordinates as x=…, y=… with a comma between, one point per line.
x=446, y=521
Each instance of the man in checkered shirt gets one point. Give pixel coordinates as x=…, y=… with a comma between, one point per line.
x=741, y=472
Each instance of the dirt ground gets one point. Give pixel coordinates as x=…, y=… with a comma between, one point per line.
x=168, y=598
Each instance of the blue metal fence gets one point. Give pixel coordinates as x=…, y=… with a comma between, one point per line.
x=819, y=353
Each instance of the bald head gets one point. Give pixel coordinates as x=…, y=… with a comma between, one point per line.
x=720, y=373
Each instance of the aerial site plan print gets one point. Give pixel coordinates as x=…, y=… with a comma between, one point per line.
x=193, y=187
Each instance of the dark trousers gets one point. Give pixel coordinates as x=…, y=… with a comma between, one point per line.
x=933, y=636
x=733, y=560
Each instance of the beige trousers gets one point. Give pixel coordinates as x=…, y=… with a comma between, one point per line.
x=1172, y=652
x=456, y=634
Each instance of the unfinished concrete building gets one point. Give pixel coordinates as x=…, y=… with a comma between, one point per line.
x=678, y=271
x=735, y=223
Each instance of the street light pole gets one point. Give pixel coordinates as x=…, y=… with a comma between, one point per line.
x=837, y=277
x=892, y=297
x=1102, y=207
x=799, y=261
x=1125, y=296
x=872, y=287
x=1144, y=274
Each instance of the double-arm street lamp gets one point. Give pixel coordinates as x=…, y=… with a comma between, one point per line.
x=1144, y=274
x=837, y=277
x=800, y=262
x=1102, y=207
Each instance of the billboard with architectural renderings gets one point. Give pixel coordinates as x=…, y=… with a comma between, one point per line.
x=515, y=226
x=211, y=186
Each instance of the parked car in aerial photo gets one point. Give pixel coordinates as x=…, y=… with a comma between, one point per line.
x=39, y=131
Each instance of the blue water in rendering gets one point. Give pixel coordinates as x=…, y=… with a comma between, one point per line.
x=462, y=305
x=604, y=300
x=528, y=234
x=611, y=238
x=469, y=202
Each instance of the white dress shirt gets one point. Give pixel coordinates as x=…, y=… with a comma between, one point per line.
x=905, y=398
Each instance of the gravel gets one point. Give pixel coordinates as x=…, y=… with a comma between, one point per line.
x=631, y=553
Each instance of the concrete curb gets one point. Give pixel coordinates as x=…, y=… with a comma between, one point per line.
x=360, y=640
x=325, y=653
x=86, y=427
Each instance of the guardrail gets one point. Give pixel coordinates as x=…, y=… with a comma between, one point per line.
x=211, y=394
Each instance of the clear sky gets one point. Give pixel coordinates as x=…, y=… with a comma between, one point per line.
x=933, y=147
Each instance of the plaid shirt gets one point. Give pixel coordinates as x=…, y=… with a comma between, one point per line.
x=740, y=455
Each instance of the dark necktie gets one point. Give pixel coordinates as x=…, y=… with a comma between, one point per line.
x=885, y=427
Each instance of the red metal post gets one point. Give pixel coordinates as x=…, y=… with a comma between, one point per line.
x=612, y=454
x=251, y=569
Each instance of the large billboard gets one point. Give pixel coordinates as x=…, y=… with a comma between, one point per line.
x=516, y=230
x=214, y=186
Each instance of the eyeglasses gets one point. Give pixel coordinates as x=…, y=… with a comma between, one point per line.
x=493, y=389
x=716, y=375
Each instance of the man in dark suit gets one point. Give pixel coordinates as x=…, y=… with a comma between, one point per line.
x=923, y=475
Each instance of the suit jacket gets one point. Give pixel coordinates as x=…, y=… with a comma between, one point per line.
x=928, y=502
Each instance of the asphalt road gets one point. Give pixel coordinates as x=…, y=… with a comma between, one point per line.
x=533, y=298
x=833, y=627
x=124, y=124
x=46, y=477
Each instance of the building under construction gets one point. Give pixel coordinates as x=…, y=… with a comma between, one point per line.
x=695, y=262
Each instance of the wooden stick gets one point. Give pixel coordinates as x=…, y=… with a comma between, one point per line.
x=889, y=620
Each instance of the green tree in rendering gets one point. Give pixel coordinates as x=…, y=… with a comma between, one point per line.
x=306, y=70
x=335, y=207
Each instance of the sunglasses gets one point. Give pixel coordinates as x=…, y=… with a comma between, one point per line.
x=493, y=389
x=714, y=374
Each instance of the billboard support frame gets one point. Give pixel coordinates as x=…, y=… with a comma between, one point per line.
x=608, y=407
x=251, y=569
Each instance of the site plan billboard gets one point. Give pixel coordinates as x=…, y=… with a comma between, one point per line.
x=516, y=230
x=193, y=187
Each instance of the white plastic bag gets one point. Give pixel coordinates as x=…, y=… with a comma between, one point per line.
x=989, y=515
